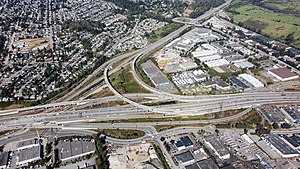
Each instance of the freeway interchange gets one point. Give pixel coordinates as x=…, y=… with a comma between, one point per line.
x=83, y=120
x=187, y=105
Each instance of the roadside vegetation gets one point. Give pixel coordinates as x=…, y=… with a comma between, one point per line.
x=161, y=128
x=103, y=93
x=122, y=133
x=200, y=6
x=211, y=116
x=161, y=157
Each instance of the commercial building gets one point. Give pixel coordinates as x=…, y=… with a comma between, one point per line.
x=158, y=79
x=24, y=156
x=205, y=59
x=292, y=112
x=76, y=148
x=28, y=144
x=203, y=164
x=283, y=74
x=181, y=45
x=29, y=151
x=244, y=65
x=188, y=65
x=202, y=35
x=294, y=140
x=214, y=143
x=185, y=157
x=272, y=114
x=216, y=63
x=280, y=146
x=219, y=84
x=238, y=83
x=189, y=78
x=252, y=81
x=183, y=143
x=205, y=50
x=4, y=158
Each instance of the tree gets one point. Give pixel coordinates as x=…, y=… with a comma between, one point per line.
x=162, y=139
x=290, y=38
x=285, y=125
x=217, y=131
x=245, y=131
x=275, y=125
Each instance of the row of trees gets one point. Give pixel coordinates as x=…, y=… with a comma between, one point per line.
x=200, y=6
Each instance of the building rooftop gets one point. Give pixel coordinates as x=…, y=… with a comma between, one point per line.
x=4, y=158
x=68, y=149
x=27, y=143
x=215, y=63
x=283, y=72
x=279, y=144
x=29, y=153
x=244, y=64
x=272, y=114
x=216, y=144
x=184, y=157
x=252, y=80
x=203, y=164
x=186, y=141
x=237, y=82
x=294, y=140
x=293, y=111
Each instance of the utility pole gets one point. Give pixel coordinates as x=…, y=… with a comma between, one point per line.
x=221, y=109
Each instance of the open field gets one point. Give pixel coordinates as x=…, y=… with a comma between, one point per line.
x=284, y=6
x=124, y=82
x=37, y=43
x=103, y=93
x=276, y=25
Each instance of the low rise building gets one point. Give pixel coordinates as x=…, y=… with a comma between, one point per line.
x=252, y=81
x=280, y=146
x=24, y=156
x=185, y=158
x=216, y=63
x=203, y=164
x=292, y=112
x=76, y=148
x=158, y=79
x=294, y=140
x=244, y=65
x=183, y=143
x=272, y=114
x=219, y=149
x=283, y=74
x=28, y=144
x=4, y=158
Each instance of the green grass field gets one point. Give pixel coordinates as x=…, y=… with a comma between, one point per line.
x=274, y=24
x=291, y=7
x=124, y=82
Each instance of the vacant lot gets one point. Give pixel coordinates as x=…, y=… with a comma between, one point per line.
x=124, y=82
x=37, y=43
x=274, y=24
